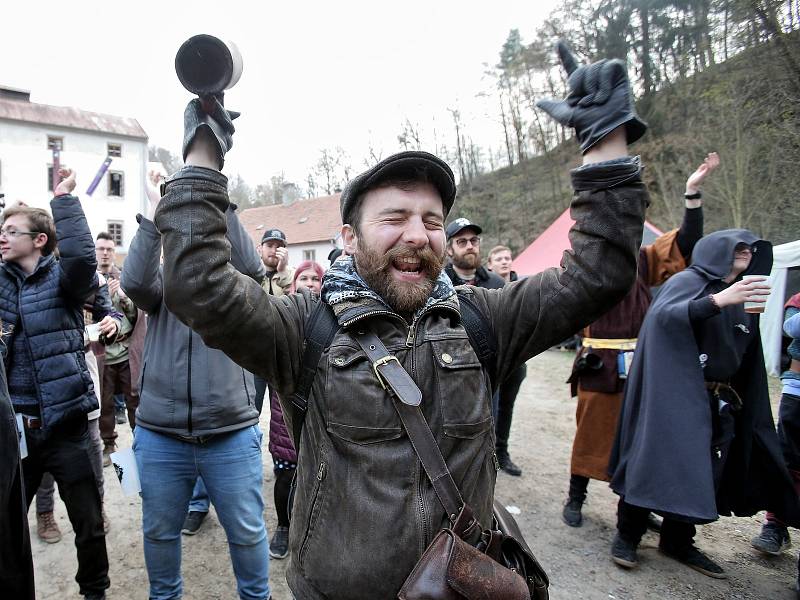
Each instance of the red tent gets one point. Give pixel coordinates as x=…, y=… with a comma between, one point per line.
x=546, y=250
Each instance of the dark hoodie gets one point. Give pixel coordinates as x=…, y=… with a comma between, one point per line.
x=663, y=457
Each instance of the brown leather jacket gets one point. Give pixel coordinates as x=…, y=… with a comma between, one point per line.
x=364, y=510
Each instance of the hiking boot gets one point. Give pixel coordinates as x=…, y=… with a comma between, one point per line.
x=279, y=544
x=623, y=553
x=507, y=465
x=193, y=521
x=773, y=539
x=47, y=528
x=692, y=557
x=107, y=450
x=572, y=513
x=120, y=417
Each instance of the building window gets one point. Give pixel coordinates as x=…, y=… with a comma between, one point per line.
x=309, y=254
x=55, y=143
x=115, y=231
x=116, y=183
x=114, y=150
x=50, y=177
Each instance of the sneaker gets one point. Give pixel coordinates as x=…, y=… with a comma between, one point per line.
x=194, y=519
x=101, y=596
x=279, y=544
x=773, y=539
x=507, y=465
x=693, y=558
x=623, y=553
x=120, y=417
x=47, y=528
x=572, y=513
x=107, y=450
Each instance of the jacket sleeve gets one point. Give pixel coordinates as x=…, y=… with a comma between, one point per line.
x=244, y=257
x=140, y=279
x=533, y=314
x=77, y=260
x=229, y=310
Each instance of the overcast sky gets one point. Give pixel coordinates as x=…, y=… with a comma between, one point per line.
x=316, y=74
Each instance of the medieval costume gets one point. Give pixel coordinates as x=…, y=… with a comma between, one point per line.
x=696, y=436
x=598, y=374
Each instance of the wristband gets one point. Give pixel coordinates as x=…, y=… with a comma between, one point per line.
x=695, y=196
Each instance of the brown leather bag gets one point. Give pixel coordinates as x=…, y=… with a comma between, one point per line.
x=464, y=561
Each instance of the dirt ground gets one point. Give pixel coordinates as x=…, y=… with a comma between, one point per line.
x=577, y=560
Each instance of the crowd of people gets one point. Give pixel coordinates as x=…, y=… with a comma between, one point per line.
x=201, y=326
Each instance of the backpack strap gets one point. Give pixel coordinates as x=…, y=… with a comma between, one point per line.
x=479, y=331
x=320, y=329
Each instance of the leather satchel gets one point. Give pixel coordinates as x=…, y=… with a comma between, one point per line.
x=464, y=561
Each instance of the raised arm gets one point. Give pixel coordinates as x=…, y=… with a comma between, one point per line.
x=78, y=262
x=229, y=310
x=141, y=279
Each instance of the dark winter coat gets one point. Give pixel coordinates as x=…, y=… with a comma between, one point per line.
x=360, y=488
x=49, y=304
x=662, y=459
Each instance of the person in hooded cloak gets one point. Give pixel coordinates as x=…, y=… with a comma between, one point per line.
x=697, y=440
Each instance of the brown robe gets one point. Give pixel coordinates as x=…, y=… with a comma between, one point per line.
x=600, y=392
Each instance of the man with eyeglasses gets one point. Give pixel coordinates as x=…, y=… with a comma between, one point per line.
x=118, y=371
x=464, y=250
x=41, y=308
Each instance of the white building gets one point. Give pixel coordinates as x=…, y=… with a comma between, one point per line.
x=29, y=133
x=312, y=227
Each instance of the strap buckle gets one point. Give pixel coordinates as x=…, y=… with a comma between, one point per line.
x=380, y=362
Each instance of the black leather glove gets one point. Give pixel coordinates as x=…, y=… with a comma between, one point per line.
x=217, y=120
x=599, y=100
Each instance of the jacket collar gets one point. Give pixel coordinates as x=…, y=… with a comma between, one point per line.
x=16, y=271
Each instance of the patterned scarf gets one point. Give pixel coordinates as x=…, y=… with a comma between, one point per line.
x=342, y=282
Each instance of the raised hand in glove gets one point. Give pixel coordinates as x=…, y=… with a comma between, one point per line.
x=209, y=114
x=599, y=100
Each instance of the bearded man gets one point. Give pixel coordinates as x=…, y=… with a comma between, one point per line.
x=364, y=509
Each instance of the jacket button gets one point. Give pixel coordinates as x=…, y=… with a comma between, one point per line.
x=446, y=358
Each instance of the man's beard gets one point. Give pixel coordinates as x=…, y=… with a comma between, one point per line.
x=404, y=297
x=466, y=261
x=271, y=262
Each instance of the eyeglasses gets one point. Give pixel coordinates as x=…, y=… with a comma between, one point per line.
x=462, y=242
x=13, y=233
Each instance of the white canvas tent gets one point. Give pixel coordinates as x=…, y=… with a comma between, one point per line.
x=785, y=256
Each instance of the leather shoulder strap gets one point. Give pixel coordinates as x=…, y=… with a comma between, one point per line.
x=406, y=401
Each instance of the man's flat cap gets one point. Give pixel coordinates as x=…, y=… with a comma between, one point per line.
x=403, y=165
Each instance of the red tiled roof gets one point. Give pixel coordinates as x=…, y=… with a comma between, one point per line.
x=303, y=221
x=66, y=116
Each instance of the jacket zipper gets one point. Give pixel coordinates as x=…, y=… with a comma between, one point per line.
x=189, y=387
x=30, y=356
x=320, y=477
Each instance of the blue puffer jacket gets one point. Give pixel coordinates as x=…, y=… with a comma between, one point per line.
x=49, y=304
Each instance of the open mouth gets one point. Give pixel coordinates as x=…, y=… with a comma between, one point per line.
x=407, y=264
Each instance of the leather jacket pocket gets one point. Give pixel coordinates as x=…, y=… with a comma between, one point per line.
x=463, y=388
x=359, y=409
x=313, y=513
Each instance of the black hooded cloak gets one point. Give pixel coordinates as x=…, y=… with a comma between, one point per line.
x=662, y=457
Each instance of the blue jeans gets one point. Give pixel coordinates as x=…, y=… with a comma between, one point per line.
x=231, y=468
x=199, y=501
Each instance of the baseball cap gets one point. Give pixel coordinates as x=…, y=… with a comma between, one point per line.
x=273, y=234
x=460, y=224
x=402, y=164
